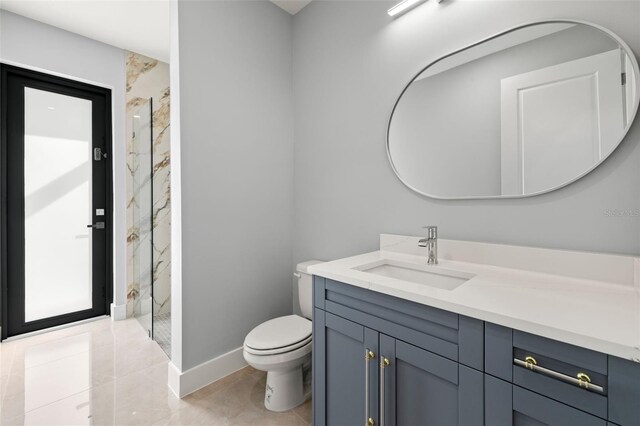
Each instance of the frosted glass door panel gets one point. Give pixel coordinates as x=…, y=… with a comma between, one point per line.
x=57, y=184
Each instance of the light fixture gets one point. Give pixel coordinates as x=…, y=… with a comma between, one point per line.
x=50, y=108
x=405, y=6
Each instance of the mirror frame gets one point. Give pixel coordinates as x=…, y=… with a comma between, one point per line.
x=623, y=45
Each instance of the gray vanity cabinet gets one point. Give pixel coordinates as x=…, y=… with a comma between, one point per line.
x=546, y=392
x=396, y=363
x=418, y=387
x=378, y=360
x=507, y=404
x=347, y=387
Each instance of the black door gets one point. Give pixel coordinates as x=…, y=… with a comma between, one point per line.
x=56, y=204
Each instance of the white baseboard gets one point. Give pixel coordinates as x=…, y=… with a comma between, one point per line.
x=186, y=382
x=118, y=312
x=174, y=379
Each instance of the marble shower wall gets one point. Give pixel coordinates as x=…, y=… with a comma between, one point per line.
x=147, y=79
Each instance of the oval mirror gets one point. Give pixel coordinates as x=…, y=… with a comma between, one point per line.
x=521, y=113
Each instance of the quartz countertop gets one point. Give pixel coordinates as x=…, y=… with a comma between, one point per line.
x=603, y=316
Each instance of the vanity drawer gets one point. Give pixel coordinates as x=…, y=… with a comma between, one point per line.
x=504, y=345
x=509, y=405
x=552, y=379
x=563, y=352
x=445, y=333
x=572, y=375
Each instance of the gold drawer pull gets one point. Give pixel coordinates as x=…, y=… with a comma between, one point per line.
x=531, y=362
x=584, y=380
x=581, y=379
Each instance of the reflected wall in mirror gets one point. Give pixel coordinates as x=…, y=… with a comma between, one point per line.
x=522, y=113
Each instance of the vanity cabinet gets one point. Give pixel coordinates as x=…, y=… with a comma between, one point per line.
x=381, y=360
x=347, y=386
x=371, y=377
x=566, y=383
x=418, y=387
x=507, y=404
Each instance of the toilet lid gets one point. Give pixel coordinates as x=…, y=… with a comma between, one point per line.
x=280, y=351
x=279, y=332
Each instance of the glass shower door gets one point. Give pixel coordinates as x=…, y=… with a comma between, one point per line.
x=142, y=210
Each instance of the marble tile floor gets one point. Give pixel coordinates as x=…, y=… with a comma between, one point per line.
x=111, y=373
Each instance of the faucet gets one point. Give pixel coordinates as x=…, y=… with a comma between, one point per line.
x=431, y=243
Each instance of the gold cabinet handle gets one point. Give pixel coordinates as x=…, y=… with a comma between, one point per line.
x=531, y=362
x=582, y=379
x=368, y=356
x=384, y=363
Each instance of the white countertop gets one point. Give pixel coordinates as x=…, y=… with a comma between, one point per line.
x=600, y=315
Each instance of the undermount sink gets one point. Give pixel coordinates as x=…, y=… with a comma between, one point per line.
x=432, y=276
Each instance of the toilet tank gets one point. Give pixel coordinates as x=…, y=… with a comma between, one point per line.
x=305, y=287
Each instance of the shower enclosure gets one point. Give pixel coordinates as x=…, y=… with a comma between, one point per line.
x=143, y=210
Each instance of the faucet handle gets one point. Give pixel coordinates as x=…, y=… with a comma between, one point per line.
x=432, y=231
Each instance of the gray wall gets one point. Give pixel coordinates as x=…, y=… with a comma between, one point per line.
x=36, y=45
x=350, y=63
x=437, y=155
x=236, y=136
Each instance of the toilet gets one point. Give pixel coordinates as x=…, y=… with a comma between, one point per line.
x=282, y=348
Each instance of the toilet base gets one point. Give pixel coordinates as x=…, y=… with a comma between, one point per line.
x=285, y=389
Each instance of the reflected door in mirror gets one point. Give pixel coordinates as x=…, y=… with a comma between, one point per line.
x=524, y=112
x=559, y=121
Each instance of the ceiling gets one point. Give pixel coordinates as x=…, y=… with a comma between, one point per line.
x=141, y=26
x=291, y=6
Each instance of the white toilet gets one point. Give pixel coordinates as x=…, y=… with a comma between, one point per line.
x=282, y=348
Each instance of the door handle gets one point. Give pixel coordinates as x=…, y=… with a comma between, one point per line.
x=98, y=154
x=97, y=225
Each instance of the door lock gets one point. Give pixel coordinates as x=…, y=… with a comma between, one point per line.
x=97, y=225
x=98, y=154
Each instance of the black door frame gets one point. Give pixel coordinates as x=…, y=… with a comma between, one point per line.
x=73, y=88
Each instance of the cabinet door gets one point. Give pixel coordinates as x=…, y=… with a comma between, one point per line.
x=345, y=372
x=418, y=387
x=511, y=405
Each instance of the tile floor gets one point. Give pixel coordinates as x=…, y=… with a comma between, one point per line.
x=110, y=373
x=162, y=331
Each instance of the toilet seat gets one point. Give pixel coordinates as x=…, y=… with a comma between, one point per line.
x=277, y=351
x=279, y=361
x=278, y=336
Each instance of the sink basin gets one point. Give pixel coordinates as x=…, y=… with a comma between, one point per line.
x=430, y=275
